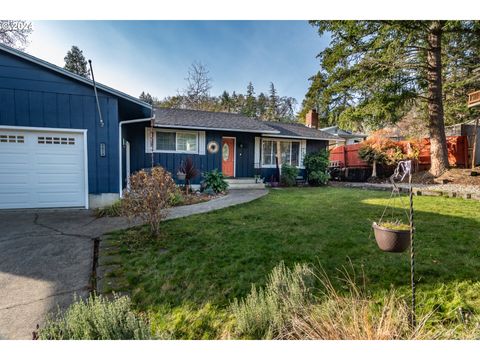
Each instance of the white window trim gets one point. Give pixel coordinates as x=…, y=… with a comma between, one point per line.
x=149, y=148
x=278, y=140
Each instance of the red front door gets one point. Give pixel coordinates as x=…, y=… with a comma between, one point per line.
x=228, y=157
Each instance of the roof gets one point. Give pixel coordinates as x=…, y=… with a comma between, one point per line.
x=336, y=130
x=69, y=74
x=297, y=130
x=196, y=119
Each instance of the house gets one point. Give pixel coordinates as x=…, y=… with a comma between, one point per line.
x=239, y=146
x=345, y=137
x=56, y=150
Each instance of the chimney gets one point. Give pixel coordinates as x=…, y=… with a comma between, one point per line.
x=311, y=119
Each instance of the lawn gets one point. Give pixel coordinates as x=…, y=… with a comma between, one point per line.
x=187, y=279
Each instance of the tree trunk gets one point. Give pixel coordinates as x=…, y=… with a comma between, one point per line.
x=374, y=169
x=438, y=140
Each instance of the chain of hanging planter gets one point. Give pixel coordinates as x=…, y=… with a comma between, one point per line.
x=395, y=235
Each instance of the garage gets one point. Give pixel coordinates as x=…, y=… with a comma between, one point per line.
x=42, y=168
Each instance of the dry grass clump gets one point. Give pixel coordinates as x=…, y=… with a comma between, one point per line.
x=288, y=309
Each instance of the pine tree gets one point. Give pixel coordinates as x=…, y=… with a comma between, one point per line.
x=375, y=70
x=262, y=105
x=146, y=97
x=226, y=102
x=76, y=62
x=250, y=106
x=272, y=105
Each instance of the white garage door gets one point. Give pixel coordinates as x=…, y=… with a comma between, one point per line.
x=40, y=169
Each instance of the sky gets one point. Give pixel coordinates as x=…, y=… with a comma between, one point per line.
x=154, y=56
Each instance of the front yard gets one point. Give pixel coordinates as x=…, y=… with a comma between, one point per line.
x=187, y=279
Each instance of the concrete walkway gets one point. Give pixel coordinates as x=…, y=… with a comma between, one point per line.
x=234, y=197
x=46, y=256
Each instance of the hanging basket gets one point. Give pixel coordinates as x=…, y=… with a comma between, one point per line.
x=390, y=240
x=181, y=176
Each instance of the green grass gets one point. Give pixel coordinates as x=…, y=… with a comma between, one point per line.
x=187, y=279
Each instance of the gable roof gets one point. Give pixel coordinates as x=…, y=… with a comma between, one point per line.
x=209, y=120
x=297, y=130
x=347, y=134
x=71, y=75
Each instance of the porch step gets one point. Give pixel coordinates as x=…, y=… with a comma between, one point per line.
x=244, y=183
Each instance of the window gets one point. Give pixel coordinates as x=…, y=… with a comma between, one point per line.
x=176, y=141
x=288, y=152
x=19, y=139
x=56, y=140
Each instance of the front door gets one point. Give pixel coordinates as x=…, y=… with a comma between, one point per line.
x=228, y=157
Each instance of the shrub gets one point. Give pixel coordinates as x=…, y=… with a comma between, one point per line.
x=176, y=198
x=215, y=180
x=113, y=210
x=149, y=196
x=290, y=307
x=316, y=165
x=264, y=313
x=96, y=318
x=188, y=168
x=289, y=175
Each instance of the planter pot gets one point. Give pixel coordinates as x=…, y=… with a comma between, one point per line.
x=181, y=176
x=391, y=240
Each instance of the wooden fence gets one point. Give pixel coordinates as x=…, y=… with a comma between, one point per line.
x=346, y=156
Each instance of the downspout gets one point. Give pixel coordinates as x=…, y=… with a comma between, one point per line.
x=120, y=150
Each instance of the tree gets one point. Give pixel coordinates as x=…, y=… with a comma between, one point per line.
x=146, y=97
x=225, y=101
x=262, y=104
x=76, y=62
x=375, y=71
x=272, y=104
x=14, y=33
x=250, y=106
x=315, y=98
x=198, y=88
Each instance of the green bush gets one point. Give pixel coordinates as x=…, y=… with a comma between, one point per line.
x=215, y=181
x=176, y=198
x=96, y=318
x=264, y=313
x=316, y=165
x=289, y=175
x=113, y=210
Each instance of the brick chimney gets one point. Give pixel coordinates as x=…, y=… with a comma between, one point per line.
x=311, y=119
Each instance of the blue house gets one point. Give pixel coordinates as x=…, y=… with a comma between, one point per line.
x=56, y=150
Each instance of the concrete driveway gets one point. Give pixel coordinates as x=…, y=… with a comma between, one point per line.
x=45, y=258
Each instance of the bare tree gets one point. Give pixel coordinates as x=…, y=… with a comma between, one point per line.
x=198, y=86
x=14, y=33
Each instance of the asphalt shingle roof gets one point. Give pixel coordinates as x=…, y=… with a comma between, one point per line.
x=195, y=119
x=209, y=120
x=300, y=130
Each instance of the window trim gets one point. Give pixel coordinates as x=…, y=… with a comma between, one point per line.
x=278, y=141
x=153, y=148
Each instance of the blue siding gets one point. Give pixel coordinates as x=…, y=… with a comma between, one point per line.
x=31, y=95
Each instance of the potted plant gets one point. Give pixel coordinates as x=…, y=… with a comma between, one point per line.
x=187, y=172
x=181, y=175
x=392, y=236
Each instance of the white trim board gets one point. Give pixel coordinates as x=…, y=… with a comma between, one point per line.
x=215, y=129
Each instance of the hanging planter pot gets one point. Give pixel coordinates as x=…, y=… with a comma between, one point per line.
x=395, y=239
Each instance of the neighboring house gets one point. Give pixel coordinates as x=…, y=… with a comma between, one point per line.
x=344, y=137
x=55, y=152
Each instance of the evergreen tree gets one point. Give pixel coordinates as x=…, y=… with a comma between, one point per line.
x=225, y=102
x=146, y=97
x=262, y=105
x=272, y=105
x=375, y=70
x=76, y=62
x=250, y=106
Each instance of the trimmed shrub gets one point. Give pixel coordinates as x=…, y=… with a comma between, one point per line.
x=215, y=181
x=316, y=165
x=96, y=318
x=289, y=175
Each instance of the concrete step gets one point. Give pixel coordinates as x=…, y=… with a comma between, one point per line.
x=240, y=180
x=245, y=186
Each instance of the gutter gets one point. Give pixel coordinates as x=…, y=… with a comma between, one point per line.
x=120, y=151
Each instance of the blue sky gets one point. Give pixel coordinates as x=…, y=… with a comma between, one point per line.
x=154, y=56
